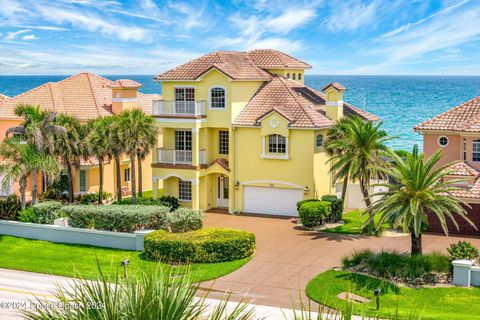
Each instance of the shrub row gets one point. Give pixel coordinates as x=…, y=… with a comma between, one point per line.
x=88, y=198
x=316, y=214
x=9, y=208
x=130, y=218
x=42, y=212
x=392, y=265
x=167, y=201
x=202, y=246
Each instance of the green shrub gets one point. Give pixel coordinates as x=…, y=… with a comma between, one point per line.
x=184, y=220
x=314, y=213
x=392, y=265
x=203, y=246
x=337, y=207
x=117, y=217
x=299, y=203
x=9, y=208
x=27, y=215
x=88, y=198
x=166, y=201
x=463, y=250
x=46, y=212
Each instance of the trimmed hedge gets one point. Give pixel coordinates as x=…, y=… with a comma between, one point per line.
x=167, y=201
x=299, y=203
x=184, y=220
x=202, y=246
x=337, y=207
x=117, y=217
x=46, y=212
x=93, y=197
x=314, y=213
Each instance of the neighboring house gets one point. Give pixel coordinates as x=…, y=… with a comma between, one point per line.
x=242, y=132
x=456, y=133
x=85, y=96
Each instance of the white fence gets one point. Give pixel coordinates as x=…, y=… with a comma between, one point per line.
x=62, y=234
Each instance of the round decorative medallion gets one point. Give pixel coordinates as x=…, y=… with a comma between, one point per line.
x=274, y=122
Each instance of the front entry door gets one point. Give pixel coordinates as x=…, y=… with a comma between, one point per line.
x=222, y=192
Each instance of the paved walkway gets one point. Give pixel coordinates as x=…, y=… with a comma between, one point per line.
x=287, y=256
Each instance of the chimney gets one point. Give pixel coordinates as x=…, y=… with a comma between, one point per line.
x=334, y=92
x=124, y=95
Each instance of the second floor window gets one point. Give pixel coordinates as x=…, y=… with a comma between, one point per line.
x=277, y=144
x=126, y=174
x=183, y=140
x=223, y=142
x=217, y=98
x=476, y=150
x=185, y=100
x=299, y=76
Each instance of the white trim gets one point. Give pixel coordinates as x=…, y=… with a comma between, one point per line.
x=252, y=182
x=200, y=77
x=194, y=182
x=124, y=99
x=280, y=156
x=195, y=130
x=334, y=103
x=210, y=98
x=180, y=86
x=171, y=120
x=269, y=113
x=268, y=156
x=439, y=144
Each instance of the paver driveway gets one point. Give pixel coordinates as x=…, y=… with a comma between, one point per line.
x=287, y=257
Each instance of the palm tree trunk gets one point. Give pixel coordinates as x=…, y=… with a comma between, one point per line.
x=34, y=186
x=70, y=181
x=119, y=178
x=132, y=178
x=100, y=178
x=416, y=244
x=23, y=187
x=344, y=189
x=140, y=179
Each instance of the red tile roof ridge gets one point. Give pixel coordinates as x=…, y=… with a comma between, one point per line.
x=462, y=168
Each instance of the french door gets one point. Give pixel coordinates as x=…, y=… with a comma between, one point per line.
x=222, y=192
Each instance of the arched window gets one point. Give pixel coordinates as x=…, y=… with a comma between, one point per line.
x=299, y=76
x=293, y=76
x=217, y=98
x=277, y=144
x=476, y=150
x=288, y=75
x=319, y=141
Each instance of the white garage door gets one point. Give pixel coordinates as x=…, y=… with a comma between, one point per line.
x=273, y=201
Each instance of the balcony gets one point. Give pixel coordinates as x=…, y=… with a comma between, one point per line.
x=178, y=157
x=169, y=108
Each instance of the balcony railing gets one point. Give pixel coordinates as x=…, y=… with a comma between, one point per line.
x=181, y=108
x=171, y=156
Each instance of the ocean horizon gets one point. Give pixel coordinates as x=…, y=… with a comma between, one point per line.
x=400, y=101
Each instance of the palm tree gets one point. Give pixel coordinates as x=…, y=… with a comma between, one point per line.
x=138, y=133
x=98, y=145
x=116, y=148
x=20, y=159
x=38, y=129
x=69, y=147
x=338, y=132
x=363, y=152
x=420, y=189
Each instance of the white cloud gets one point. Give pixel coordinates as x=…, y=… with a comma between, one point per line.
x=29, y=37
x=46, y=28
x=290, y=19
x=351, y=15
x=12, y=35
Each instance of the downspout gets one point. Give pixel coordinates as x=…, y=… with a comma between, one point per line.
x=234, y=168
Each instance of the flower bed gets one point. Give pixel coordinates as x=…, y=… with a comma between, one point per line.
x=206, y=245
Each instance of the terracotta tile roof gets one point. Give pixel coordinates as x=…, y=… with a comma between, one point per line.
x=463, y=169
x=145, y=101
x=301, y=105
x=84, y=95
x=3, y=98
x=125, y=83
x=92, y=161
x=274, y=59
x=336, y=85
x=464, y=117
x=222, y=162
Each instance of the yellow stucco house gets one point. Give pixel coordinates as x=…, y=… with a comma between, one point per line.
x=242, y=132
x=85, y=96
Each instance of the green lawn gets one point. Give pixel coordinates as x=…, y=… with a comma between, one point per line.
x=353, y=223
x=80, y=261
x=429, y=303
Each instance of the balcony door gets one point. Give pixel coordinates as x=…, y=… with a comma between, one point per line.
x=185, y=100
x=222, y=192
x=183, y=146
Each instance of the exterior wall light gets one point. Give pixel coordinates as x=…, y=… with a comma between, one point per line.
x=237, y=185
x=305, y=191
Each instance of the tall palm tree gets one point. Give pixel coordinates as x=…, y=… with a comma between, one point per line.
x=138, y=133
x=363, y=152
x=420, y=190
x=20, y=159
x=68, y=146
x=338, y=132
x=99, y=146
x=38, y=129
x=116, y=147
x=148, y=138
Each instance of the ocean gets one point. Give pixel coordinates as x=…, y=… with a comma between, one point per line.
x=400, y=101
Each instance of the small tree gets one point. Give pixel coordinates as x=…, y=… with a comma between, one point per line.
x=420, y=190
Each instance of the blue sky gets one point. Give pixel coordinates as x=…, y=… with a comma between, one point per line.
x=147, y=37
